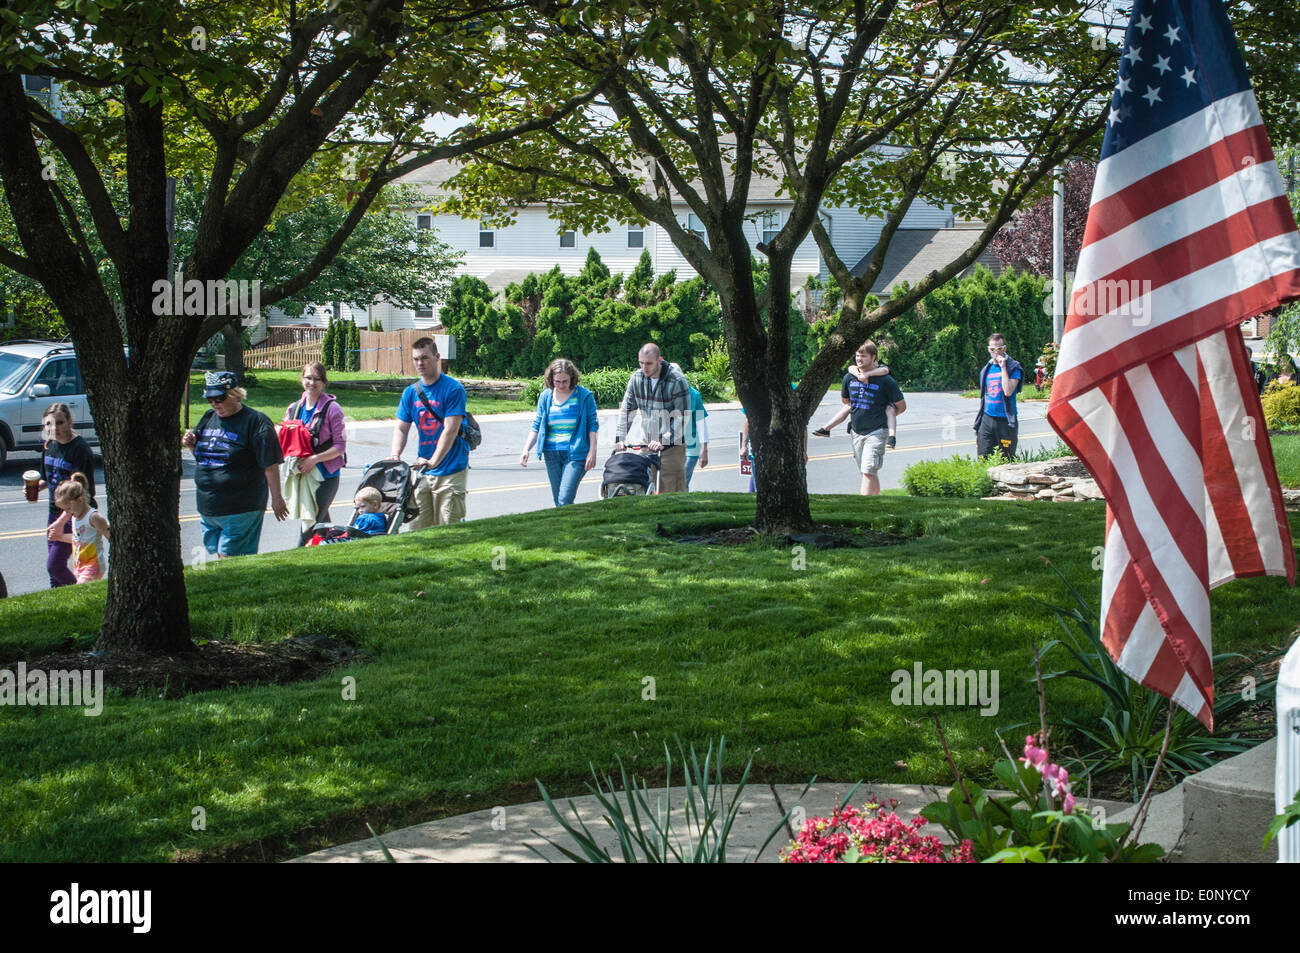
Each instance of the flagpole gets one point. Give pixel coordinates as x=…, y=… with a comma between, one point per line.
x=1058, y=256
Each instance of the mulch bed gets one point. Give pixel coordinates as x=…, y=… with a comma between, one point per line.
x=213, y=665
x=1256, y=720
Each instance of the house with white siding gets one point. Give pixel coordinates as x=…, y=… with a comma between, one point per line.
x=535, y=242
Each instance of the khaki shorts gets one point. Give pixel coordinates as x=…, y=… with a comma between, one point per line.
x=441, y=499
x=672, y=473
x=869, y=450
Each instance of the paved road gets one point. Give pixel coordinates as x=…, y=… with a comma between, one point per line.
x=936, y=425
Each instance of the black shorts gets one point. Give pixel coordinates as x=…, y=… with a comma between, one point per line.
x=995, y=434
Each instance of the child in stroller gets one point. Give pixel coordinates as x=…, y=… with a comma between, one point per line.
x=383, y=501
x=629, y=473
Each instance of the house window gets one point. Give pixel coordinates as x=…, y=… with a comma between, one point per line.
x=487, y=238
x=635, y=236
x=423, y=313
x=695, y=226
x=771, y=225
x=424, y=222
x=568, y=240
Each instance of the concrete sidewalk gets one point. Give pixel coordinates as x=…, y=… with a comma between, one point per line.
x=504, y=834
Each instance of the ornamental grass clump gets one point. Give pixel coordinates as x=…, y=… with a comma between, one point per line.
x=876, y=834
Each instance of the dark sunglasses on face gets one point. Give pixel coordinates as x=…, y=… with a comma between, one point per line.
x=217, y=400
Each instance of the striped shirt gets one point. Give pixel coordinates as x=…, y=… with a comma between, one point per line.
x=561, y=423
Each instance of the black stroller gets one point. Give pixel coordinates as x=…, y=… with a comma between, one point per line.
x=629, y=474
x=393, y=480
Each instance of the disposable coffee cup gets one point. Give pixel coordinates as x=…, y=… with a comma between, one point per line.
x=31, y=485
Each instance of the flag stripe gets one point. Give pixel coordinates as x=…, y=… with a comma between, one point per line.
x=1146, y=535
x=1224, y=492
x=1253, y=459
x=1198, y=172
x=1154, y=506
x=1094, y=431
x=1222, y=118
x=1191, y=213
x=1096, y=354
x=1233, y=235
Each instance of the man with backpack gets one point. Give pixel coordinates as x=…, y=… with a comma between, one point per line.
x=996, y=424
x=436, y=405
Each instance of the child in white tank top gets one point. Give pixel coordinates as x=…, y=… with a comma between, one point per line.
x=89, y=531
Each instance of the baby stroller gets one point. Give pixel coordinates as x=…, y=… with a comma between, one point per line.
x=393, y=480
x=629, y=473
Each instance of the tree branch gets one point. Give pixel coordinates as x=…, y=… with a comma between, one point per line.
x=16, y=262
x=88, y=178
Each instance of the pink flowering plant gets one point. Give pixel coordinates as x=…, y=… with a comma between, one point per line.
x=876, y=834
x=1039, y=822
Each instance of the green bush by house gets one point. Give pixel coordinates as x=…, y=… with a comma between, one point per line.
x=1281, y=406
x=594, y=318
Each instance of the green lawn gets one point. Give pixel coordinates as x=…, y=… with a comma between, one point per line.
x=276, y=390
x=486, y=678
x=1286, y=454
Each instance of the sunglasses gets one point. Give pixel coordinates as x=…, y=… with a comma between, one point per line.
x=217, y=400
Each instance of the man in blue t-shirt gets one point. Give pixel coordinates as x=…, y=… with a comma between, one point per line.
x=996, y=424
x=436, y=405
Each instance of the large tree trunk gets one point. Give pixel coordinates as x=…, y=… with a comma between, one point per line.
x=147, y=608
x=781, y=474
x=777, y=421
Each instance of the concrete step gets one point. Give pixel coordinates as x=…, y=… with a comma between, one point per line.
x=1228, y=807
x=1220, y=814
x=1164, y=823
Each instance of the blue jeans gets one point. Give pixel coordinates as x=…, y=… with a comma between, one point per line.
x=690, y=468
x=565, y=475
x=237, y=534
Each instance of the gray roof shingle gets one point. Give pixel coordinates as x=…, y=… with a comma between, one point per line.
x=915, y=252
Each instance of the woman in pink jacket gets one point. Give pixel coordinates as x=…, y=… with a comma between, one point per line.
x=321, y=414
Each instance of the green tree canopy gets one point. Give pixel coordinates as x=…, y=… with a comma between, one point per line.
x=870, y=105
x=266, y=108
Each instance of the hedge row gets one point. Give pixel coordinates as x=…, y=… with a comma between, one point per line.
x=608, y=385
x=341, y=346
x=597, y=320
x=942, y=343
x=594, y=319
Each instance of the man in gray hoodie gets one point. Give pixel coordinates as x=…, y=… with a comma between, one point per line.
x=663, y=398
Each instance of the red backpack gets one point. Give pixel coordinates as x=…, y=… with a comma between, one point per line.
x=293, y=431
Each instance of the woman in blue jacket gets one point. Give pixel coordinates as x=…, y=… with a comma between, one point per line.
x=564, y=431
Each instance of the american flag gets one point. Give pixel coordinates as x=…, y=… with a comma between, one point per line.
x=1189, y=233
